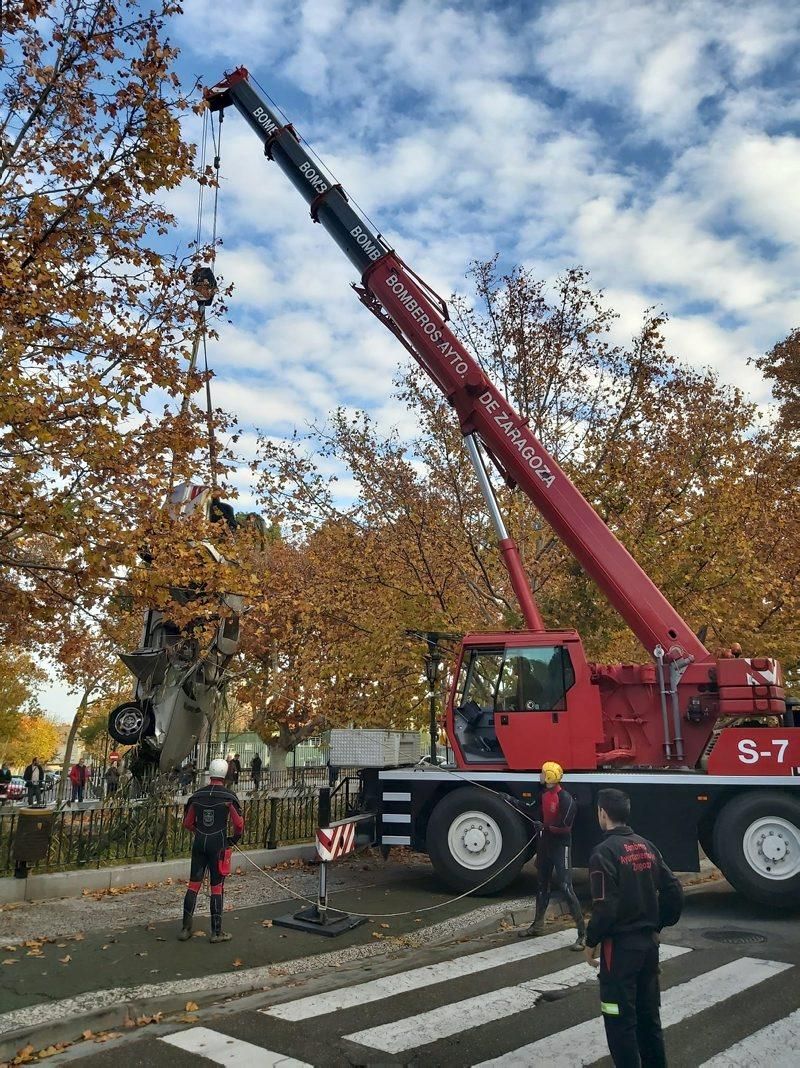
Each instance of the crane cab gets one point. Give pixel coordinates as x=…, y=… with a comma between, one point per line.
x=520, y=699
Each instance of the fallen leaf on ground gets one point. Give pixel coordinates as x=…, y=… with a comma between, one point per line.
x=24, y=1055
x=105, y=946
x=129, y=1023
x=61, y=945
x=199, y=934
x=384, y=925
x=11, y=960
x=87, y=1034
x=266, y=923
x=191, y=1006
x=79, y=937
x=237, y=963
x=65, y=960
x=189, y=1017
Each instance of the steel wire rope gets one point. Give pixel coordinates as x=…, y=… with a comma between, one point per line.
x=425, y=908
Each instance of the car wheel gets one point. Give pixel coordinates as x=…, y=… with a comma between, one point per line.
x=129, y=722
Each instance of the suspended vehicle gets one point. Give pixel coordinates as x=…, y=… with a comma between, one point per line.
x=180, y=686
x=706, y=745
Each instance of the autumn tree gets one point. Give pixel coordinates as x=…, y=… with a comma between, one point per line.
x=24, y=731
x=325, y=647
x=782, y=365
x=95, y=317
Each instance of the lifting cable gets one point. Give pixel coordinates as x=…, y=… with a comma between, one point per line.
x=204, y=300
x=426, y=908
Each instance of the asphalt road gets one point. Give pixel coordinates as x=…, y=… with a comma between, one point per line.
x=495, y=999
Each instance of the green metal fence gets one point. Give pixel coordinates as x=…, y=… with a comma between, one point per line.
x=153, y=830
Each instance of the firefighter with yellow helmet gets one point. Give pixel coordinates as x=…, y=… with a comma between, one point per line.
x=554, y=852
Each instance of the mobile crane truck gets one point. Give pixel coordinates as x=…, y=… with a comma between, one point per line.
x=707, y=747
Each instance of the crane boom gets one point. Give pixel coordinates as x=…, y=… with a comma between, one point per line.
x=414, y=313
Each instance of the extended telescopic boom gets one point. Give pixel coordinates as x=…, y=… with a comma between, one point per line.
x=413, y=312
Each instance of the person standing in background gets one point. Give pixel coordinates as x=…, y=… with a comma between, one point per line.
x=78, y=775
x=34, y=781
x=112, y=778
x=255, y=771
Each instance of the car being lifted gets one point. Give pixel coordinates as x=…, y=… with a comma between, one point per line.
x=179, y=686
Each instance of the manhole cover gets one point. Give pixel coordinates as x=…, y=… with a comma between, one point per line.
x=734, y=938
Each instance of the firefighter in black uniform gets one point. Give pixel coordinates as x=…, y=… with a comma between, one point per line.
x=634, y=895
x=207, y=813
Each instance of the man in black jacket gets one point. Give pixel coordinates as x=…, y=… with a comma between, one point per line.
x=634, y=895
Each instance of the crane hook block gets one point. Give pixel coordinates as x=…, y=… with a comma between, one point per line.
x=205, y=285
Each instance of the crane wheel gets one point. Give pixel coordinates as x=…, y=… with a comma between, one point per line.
x=757, y=847
x=472, y=833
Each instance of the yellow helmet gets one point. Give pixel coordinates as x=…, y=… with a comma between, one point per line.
x=552, y=773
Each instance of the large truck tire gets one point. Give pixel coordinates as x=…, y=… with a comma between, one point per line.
x=472, y=834
x=705, y=836
x=757, y=847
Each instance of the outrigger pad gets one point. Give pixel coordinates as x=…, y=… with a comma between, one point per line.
x=329, y=923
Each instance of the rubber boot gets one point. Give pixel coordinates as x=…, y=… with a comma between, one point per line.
x=580, y=923
x=189, y=902
x=217, y=934
x=537, y=927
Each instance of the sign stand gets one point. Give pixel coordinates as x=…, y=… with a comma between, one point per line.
x=333, y=840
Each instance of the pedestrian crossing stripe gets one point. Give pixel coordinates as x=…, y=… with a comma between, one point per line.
x=459, y=1017
x=224, y=1049
x=777, y=1044
x=309, y=1008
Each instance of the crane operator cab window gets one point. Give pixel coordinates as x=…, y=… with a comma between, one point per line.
x=507, y=680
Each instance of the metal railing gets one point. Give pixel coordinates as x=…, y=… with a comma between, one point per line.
x=152, y=830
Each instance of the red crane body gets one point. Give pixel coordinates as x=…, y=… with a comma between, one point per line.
x=524, y=697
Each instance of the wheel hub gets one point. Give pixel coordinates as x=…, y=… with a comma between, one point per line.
x=771, y=846
x=475, y=839
x=130, y=722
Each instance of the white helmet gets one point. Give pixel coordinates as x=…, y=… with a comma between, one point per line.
x=218, y=768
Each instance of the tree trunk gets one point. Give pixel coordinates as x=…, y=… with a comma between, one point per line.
x=277, y=762
x=64, y=783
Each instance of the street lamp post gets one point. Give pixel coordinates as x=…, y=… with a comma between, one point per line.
x=433, y=659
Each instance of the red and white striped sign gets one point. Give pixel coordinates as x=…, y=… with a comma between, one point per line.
x=333, y=842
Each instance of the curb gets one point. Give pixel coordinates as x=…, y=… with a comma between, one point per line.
x=126, y=1004
x=64, y=884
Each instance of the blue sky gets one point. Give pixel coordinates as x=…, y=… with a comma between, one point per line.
x=653, y=143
